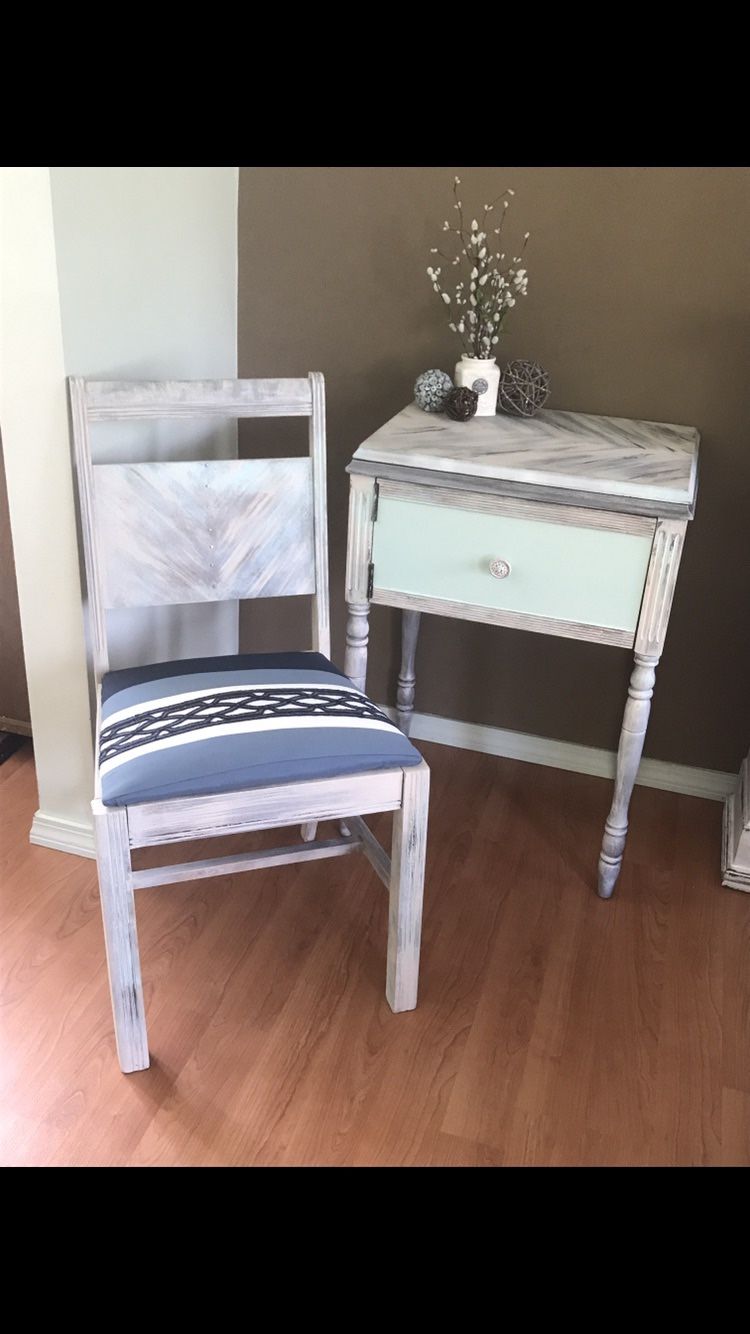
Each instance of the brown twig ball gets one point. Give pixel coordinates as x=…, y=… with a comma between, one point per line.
x=461, y=404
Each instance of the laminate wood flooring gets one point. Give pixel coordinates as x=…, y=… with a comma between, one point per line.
x=553, y=1029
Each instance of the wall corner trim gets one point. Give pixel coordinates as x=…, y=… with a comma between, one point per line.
x=711, y=784
x=54, y=831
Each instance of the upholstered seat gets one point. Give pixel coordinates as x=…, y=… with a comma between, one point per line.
x=225, y=724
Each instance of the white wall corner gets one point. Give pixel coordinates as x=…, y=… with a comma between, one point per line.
x=54, y=831
x=36, y=445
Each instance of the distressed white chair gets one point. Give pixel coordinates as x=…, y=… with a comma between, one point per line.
x=215, y=746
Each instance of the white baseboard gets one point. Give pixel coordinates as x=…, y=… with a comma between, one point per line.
x=14, y=725
x=709, y=783
x=52, y=831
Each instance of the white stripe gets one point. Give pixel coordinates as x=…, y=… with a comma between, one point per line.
x=235, y=729
x=164, y=701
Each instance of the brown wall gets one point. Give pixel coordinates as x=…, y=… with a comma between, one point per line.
x=638, y=305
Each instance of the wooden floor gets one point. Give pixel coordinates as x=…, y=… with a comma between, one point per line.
x=553, y=1028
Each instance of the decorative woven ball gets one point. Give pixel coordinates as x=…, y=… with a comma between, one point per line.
x=431, y=390
x=461, y=404
x=524, y=386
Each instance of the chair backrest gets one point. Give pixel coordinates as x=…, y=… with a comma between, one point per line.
x=157, y=533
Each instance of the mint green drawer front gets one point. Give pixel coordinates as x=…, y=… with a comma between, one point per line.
x=592, y=576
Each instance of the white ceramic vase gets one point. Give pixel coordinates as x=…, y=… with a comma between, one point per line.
x=483, y=375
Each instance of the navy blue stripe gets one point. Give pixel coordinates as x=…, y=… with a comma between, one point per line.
x=114, y=682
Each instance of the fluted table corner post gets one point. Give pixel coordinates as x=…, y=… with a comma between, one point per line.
x=358, y=552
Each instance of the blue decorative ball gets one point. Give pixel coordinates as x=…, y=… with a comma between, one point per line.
x=431, y=390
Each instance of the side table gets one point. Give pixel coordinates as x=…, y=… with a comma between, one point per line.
x=566, y=524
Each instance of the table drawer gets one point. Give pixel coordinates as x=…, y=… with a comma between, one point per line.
x=584, y=570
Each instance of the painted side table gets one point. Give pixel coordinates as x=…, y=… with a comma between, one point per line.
x=566, y=524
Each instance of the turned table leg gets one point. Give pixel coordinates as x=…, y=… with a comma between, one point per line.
x=632, y=736
x=357, y=634
x=407, y=677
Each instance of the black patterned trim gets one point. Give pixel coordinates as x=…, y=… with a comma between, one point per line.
x=233, y=706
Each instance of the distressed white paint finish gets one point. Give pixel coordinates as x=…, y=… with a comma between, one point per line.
x=247, y=861
x=121, y=400
x=359, y=540
x=264, y=807
x=114, y=400
x=406, y=889
x=170, y=533
x=735, y=860
x=632, y=736
x=258, y=528
x=375, y=854
x=483, y=502
x=635, y=478
x=548, y=495
x=661, y=581
x=121, y=938
x=651, y=633
x=357, y=637
x=91, y=553
x=575, y=451
x=321, y=614
x=407, y=678
x=362, y=494
x=466, y=611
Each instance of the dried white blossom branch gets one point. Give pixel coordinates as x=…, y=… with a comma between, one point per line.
x=479, y=302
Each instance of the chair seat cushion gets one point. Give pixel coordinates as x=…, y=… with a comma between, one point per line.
x=203, y=725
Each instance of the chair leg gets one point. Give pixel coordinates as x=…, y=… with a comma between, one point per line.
x=407, y=883
x=121, y=939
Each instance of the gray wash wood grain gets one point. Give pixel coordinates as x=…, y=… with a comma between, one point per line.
x=482, y=502
x=551, y=495
x=577, y=451
x=204, y=532
x=408, y=852
x=120, y=935
x=122, y=400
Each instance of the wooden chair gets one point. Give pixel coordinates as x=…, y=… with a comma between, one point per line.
x=209, y=747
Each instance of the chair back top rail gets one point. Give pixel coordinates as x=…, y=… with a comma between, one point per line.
x=122, y=400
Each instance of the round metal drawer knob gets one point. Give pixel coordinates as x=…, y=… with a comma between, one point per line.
x=499, y=569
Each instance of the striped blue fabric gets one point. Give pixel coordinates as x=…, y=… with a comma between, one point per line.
x=207, y=725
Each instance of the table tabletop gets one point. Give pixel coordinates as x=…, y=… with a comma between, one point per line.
x=570, y=451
